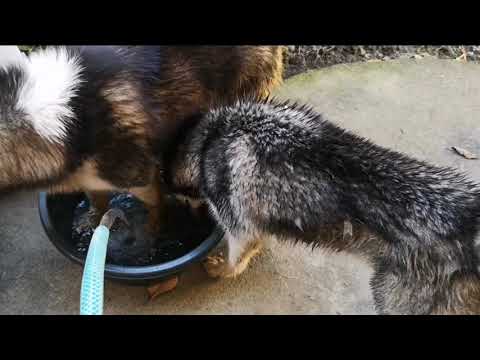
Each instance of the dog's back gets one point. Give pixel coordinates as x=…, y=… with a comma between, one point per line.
x=190, y=80
x=173, y=83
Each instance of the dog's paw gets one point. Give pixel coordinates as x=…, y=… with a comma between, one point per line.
x=217, y=267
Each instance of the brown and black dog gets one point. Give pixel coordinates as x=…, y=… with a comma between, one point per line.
x=96, y=119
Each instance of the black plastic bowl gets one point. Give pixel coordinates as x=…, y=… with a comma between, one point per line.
x=56, y=215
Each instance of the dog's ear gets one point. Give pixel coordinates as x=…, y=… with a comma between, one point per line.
x=11, y=55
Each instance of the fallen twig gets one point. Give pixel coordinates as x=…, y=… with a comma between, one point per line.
x=465, y=153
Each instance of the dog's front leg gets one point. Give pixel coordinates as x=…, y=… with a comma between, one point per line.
x=98, y=206
x=154, y=200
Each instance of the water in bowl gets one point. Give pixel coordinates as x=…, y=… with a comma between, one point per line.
x=184, y=229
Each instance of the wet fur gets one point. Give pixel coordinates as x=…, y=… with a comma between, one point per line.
x=98, y=118
x=276, y=169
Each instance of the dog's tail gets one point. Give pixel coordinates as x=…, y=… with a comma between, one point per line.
x=36, y=95
x=11, y=55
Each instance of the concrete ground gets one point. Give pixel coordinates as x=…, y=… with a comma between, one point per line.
x=421, y=107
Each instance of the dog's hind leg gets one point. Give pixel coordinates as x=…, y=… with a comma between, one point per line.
x=422, y=282
x=462, y=296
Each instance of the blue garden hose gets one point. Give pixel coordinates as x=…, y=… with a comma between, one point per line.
x=91, y=293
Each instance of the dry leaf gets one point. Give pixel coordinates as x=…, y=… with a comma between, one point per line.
x=463, y=57
x=465, y=153
x=157, y=289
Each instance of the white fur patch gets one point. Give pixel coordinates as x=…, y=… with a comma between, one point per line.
x=52, y=79
x=11, y=55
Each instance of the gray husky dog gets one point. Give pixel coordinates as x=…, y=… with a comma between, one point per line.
x=266, y=168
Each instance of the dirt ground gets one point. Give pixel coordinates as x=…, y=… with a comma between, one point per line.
x=300, y=58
